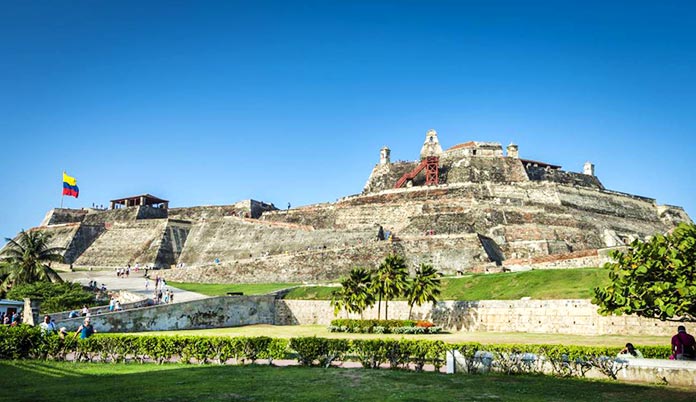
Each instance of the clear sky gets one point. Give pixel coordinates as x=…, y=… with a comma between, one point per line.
x=206, y=103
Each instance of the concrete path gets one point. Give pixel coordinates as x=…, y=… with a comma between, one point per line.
x=135, y=283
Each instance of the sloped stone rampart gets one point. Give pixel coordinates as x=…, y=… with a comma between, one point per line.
x=215, y=312
x=125, y=243
x=571, y=317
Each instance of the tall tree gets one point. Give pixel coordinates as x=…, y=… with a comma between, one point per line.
x=424, y=287
x=390, y=280
x=355, y=294
x=25, y=259
x=655, y=279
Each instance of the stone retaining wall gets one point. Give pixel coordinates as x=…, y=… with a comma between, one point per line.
x=214, y=312
x=572, y=317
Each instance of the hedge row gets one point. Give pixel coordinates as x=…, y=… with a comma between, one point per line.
x=24, y=342
x=383, y=326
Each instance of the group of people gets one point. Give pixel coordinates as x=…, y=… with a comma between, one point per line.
x=114, y=304
x=161, y=293
x=683, y=347
x=48, y=326
x=10, y=319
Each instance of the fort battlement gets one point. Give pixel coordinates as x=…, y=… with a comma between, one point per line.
x=483, y=208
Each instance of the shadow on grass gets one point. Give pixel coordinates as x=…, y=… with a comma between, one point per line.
x=55, y=382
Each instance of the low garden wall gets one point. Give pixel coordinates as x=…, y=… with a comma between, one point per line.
x=572, y=317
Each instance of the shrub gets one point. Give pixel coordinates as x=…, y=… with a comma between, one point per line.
x=322, y=350
x=54, y=296
x=383, y=326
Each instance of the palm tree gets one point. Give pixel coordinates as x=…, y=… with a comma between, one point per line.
x=424, y=287
x=390, y=281
x=24, y=259
x=355, y=294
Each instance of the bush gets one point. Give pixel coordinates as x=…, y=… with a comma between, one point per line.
x=24, y=342
x=54, y=297
x=383, y=326
x=322, y=350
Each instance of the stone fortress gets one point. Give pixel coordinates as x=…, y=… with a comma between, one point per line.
x=472, y=207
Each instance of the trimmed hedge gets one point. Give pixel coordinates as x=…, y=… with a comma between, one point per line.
x=383, y=326
x=24, y=342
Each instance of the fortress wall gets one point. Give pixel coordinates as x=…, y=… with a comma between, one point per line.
x=203, y=212
x=563, y=177
x=570, y=317
x=449, y=254
x=215, y=312
x=112, y=215
x=477, y=169
x=232, y=239
x=318, y=216
x=81, y=241
x=58, y=216
x=612, y=204
x=307, y=265
x=148, y=212
x=125, y=243
x=61, y=235
x=172, y=243
x=384, y=177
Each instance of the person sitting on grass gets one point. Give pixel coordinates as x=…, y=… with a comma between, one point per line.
x=630, y=352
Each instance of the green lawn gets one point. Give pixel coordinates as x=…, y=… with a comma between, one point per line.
x=56, y=382
x=289, y=331
x=537, y=284
x=221, y=289
x=311, y=293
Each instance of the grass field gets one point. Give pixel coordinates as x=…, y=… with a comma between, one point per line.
x=289, y=331
x=537, y=284
x=56, y=382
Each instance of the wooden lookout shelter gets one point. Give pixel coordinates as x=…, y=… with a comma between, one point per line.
x=138, y=200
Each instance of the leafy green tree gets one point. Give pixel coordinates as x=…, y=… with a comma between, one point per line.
x=355, y=294
x=390, y=281
x=424, y=287
x=25, y=259
x=54, y=297
x=655, y=279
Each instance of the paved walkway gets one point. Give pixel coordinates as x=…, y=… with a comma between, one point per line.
x=135, y=283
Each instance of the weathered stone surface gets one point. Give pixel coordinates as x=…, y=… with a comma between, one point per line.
x=578, y=317
x=215, y=312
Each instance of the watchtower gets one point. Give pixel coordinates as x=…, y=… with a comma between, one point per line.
x=431, y=146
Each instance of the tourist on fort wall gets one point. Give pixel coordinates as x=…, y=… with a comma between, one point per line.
x=683, y=345
x=630, y=352
x=85, y=310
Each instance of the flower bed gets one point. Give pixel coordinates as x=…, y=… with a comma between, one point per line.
x=384, y=326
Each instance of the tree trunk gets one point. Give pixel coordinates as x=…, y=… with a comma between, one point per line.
x=386, y=309
x=379, y=305
x=410, y=309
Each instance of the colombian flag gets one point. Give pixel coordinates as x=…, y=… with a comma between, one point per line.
x=70, y=186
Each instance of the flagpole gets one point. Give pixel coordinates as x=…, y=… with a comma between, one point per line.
x=61, y=196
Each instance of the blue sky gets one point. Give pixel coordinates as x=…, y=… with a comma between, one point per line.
x=207, y=103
